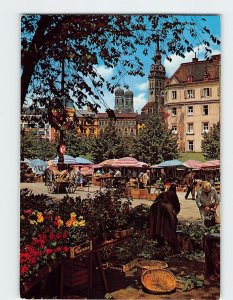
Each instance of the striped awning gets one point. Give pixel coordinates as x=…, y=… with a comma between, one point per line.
x=193, y=164
x=129, y=162
x=211, y=164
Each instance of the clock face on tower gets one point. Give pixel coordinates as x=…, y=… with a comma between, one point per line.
x=151, y=91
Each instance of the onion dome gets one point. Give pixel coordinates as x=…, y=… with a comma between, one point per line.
x=128, y=93
x=119, y=92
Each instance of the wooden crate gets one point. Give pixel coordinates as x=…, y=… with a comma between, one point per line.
x=135, y=193
x=151, y=197
x=122, y=267
x=75, y=274
x=80, y=248
x=143, y=194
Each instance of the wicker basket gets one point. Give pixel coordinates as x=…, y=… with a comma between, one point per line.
x=145, y=265
x=159, y=281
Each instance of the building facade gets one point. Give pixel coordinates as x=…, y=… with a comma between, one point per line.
x=28, y=123
x=126, y=123
x=192, y=101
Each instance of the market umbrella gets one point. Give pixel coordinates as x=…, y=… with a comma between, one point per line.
x=107, y=163
x=38, y=162
x=128, y=162
x=193, y=164
x=83, y=161
x=67, y=160
x=211, y=164
x=171, y=163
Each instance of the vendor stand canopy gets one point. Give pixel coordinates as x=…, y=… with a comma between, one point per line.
x=67, y=160
x=106, y=163
x=171, y=163
x=83, y=161
x=211, y=164
x=193, y=164
x=129, y=162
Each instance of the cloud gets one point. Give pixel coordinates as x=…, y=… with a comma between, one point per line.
x=171, y=67
x=104, y=71
x=139, y=101
x=142, y=86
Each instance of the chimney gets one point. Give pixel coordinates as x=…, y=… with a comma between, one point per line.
x=195, y=59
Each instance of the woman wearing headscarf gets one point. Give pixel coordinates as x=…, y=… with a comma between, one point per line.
x=207, y=200
x=163, y=217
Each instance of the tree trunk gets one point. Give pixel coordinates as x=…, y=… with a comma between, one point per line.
x=31, y=57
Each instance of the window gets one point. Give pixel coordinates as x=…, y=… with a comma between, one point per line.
x=151, y=110
x=190, y=128
x=190, y=94
x=174, y=95
x=174, y=128
x=206, y=92
x=190, y=146
x=205, y=110
x=190, y=110
x=174, y=111
x=205, y=127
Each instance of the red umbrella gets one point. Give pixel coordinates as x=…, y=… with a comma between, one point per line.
x=129, y=162
x=211, y=164
x=193, y=164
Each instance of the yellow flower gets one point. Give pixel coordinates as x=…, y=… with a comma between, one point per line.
x=39, y=214
x=40, y=219
x=60, y=222
x=68, y=223
x=73, y=215
x=82, y=223
x=75, y=223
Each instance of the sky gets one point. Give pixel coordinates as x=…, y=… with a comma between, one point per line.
x=138, y=85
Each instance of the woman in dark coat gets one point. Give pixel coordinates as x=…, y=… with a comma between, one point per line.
x=163, y=217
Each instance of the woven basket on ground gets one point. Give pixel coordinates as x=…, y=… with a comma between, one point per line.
x=145, y=265
x=158, y=281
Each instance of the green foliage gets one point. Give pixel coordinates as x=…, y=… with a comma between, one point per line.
x=211, y=143
x=155, y=142
x=109, y=144
x=78, y=145
x=138, y=246
x=32, y=146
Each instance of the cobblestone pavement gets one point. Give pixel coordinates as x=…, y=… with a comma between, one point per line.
x=189, y=210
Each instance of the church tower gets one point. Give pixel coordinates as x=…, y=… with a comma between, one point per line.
x=119, y=100
x=156, y=80
x=129, y=101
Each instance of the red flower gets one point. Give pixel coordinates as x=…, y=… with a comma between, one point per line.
x=28, y=211
x=66, y=249
x=58, y=236
x=48, y=251
x=65, y=235
x=58, y=249
x=24, y=269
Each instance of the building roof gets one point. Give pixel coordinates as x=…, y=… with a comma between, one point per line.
x=119, y=92
x=198, y=70
x=118, y=115
x=148, y=105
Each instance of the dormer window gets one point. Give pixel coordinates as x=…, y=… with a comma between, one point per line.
x=190, y=78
